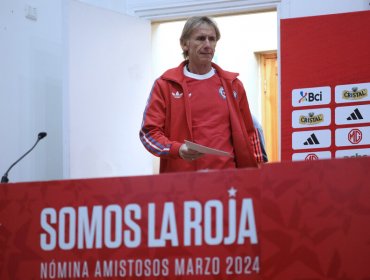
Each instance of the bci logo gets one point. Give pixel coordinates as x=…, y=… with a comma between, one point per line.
x=310, y=97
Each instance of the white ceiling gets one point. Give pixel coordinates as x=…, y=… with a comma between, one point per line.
x=158, y=10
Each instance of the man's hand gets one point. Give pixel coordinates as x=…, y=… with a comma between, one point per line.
x=188, y=154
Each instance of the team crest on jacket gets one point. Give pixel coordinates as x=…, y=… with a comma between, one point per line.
x=235, y=94
x=177, y=94
x=222, y=93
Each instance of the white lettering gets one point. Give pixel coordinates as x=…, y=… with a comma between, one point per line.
x=132, y=238
x=247, y=224
x=48, y=240
x=114, y=226
x=152, y=241
x=113, y=213
x=90, y=230
x=209, y=219
x=230, y=239
x=67, y=220
x=192, y=220
x=62, y=270
x=169, y=228
x=197, y=266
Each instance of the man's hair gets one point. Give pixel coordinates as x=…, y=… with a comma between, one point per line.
x=191, y=24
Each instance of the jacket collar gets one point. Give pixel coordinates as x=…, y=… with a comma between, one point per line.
x=177, y=75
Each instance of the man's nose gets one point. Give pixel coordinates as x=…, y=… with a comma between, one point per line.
x=207, y=42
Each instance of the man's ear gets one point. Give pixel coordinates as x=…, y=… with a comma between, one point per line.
x=185, y=46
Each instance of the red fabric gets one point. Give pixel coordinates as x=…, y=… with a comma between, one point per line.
x=209, y=111
x=167, y=121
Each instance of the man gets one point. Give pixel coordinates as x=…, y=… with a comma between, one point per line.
x=200, y=102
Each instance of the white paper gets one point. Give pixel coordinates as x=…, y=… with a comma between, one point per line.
x=206, y=150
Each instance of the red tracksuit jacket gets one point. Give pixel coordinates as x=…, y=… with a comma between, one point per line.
x=167, y=121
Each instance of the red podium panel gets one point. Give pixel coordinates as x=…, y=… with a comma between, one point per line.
x=302, y=220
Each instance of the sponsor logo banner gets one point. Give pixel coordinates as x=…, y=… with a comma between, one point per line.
x=312, y=155
x=353, y=153
x=311, y=96
x=352, y=93
x=311, y=118
x=312, y=139
x=352, y=114
x=352, y=136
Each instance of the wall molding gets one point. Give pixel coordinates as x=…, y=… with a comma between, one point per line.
x=161, y=10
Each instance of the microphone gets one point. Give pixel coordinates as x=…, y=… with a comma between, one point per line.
x=40, y=136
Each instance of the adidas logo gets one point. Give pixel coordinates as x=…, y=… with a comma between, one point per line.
x=355, y=115
x=177, y=94
x=312, y=140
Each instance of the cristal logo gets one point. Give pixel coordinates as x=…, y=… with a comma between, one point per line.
x=311, y=119
x=355, y=94
x=152, y=225
x=310, y=97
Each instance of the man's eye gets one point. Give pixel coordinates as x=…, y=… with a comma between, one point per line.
x=204, y=38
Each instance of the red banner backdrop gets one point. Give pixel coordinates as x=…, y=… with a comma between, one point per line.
x=325, y=86
x=303, y=220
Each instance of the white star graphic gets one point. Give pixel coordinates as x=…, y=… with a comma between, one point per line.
x=232, y=192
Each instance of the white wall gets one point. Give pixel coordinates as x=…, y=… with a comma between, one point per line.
x=242, y=38
x=302, y=8
x=108, y=85
x=82, y=75
x=159, y=10
x=112, y=5
x=31, y=89
x=171, y=9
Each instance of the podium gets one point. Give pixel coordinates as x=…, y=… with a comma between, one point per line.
x=290, y=220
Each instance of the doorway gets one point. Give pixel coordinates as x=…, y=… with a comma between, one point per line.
x=270, y=105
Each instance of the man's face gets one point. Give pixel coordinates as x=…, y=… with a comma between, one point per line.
x=201, y=44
